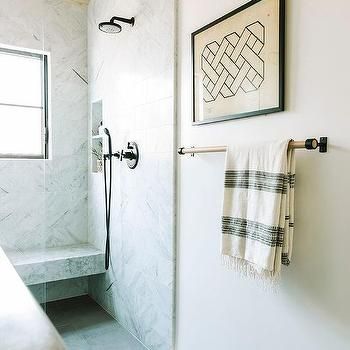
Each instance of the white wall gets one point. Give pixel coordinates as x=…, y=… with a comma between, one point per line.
x=311, y=310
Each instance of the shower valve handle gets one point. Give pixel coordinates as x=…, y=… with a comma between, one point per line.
x=127, y=154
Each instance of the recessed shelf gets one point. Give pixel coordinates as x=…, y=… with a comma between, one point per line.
x=96, y=139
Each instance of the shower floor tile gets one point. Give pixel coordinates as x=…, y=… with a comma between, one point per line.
x=84, y=325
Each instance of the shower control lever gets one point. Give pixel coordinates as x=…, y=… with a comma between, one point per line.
x=127, y=155
x=131, y=155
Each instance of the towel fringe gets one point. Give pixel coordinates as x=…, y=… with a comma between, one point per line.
x=267, y=279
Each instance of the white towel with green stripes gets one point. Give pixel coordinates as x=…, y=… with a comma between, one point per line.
x=258, y=210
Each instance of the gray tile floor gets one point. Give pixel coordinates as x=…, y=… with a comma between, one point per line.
x=84, y=325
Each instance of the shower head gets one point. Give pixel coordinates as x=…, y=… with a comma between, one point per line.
x=106, y=131
x=109, y=27
x=113, y=28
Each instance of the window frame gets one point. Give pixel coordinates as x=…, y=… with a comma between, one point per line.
x=44, y=56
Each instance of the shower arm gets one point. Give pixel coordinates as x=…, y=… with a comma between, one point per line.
x=130, y=21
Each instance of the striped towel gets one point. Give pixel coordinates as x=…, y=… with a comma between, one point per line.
x=258, y=211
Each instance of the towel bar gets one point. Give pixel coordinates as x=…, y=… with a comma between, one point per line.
x=310, y=144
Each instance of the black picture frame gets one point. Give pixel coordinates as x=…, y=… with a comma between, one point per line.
x=281, y=90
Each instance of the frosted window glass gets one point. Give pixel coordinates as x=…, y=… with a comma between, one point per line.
x=20, y=79
x=20, y=131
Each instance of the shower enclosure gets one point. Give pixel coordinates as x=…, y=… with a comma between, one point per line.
x=43, y=176
x=52, y=216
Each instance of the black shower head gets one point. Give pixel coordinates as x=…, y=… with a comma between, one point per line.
x=113, y=28
x=109, y=27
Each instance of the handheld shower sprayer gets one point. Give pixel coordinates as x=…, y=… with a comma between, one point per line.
x=109, y=196
x=110, y=154
x=132, y=157
x=108, y=192
x=106, y=131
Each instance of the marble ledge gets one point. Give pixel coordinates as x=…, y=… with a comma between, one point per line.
x=54, y=264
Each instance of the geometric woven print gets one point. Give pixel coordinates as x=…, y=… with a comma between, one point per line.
x=234, y=64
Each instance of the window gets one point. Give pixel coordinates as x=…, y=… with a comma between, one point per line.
x=23, y=104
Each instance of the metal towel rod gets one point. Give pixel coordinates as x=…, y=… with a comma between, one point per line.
x=310, y=144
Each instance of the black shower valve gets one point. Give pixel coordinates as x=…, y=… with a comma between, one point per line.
x=127, y=154
x=131, y=155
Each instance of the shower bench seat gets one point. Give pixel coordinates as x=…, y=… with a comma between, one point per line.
x=55, y=264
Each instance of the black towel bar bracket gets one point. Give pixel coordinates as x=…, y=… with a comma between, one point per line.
x=323, y=144
x=312, y=144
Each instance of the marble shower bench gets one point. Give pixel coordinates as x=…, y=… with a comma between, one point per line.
x=37, y=266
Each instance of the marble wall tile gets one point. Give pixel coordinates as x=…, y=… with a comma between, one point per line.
x=57, y=290
x=66, y=174
x=133, y=73
x=22, y=218
x=65, y=218
x=12, y=179
x=21, y=23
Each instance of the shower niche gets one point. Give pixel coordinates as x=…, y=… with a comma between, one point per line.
x=96, y=138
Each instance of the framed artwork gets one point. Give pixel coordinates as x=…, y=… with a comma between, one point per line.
x=238, y=63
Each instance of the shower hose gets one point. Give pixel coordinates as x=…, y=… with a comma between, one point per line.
x=107, y=205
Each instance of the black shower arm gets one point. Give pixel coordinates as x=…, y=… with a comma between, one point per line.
x=130, y=21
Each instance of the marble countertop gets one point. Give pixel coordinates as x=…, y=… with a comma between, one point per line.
x=23, y=324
